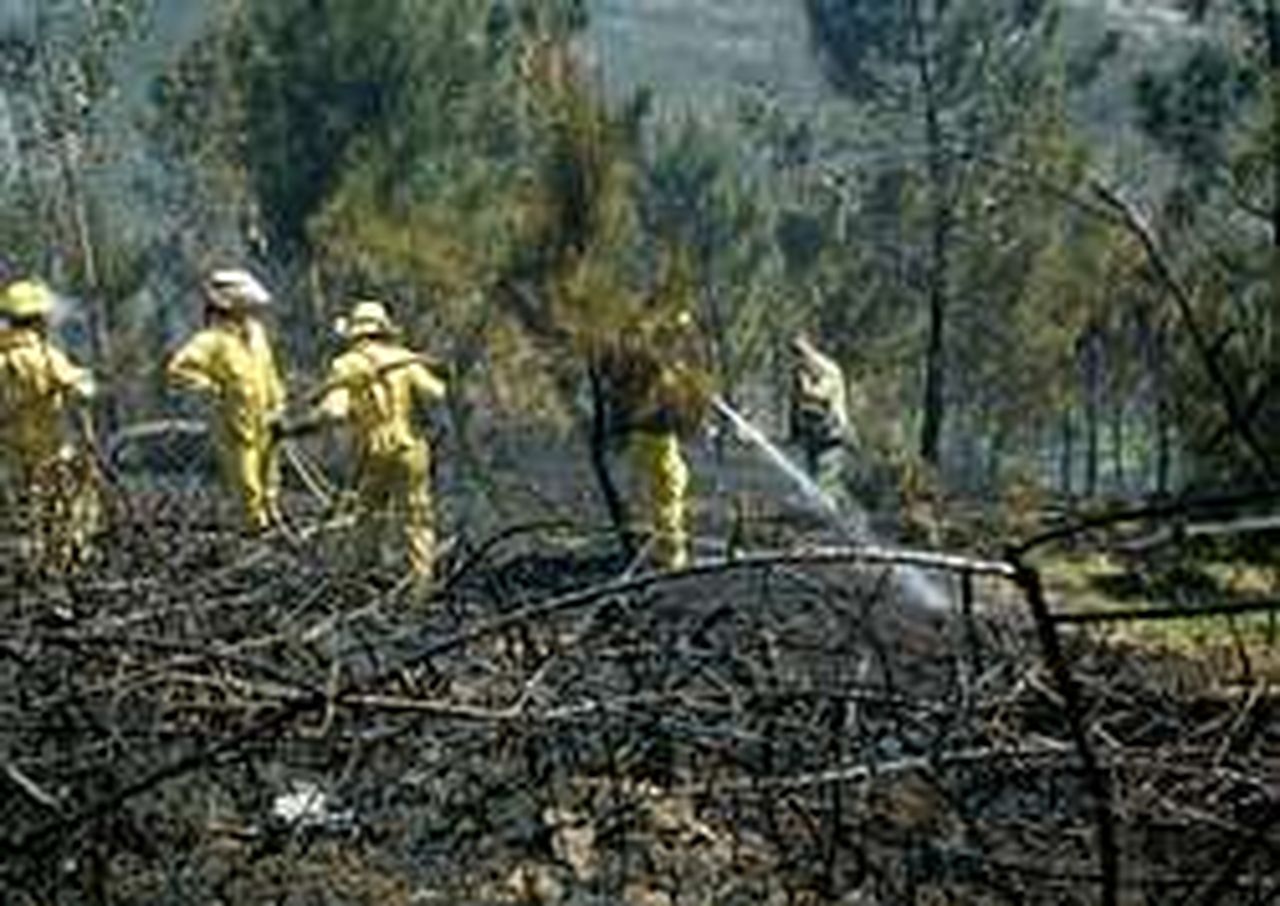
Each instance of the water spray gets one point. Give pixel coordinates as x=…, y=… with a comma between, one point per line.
x=853, y=526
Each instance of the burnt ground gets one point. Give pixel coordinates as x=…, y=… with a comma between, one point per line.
x=202, y=718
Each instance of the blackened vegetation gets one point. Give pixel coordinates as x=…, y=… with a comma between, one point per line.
x=558, y=726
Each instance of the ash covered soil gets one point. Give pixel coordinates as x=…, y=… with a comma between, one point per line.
x=199, y=717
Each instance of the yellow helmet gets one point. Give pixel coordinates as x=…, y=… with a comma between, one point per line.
x=367, y=319
x=26, y=299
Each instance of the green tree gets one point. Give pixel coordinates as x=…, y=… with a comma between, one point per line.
x=936, y=73
x=70, y=77
x=1215, y=112
x=1228, y=88
x=696, y=196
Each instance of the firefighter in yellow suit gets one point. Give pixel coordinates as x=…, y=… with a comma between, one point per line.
x=658, y=395
x=231, y=360
x=47, y=482
x=656, y=459
x=376, y=386
x=819, y=403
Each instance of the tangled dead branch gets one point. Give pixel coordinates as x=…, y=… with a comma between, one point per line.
x=203, y=718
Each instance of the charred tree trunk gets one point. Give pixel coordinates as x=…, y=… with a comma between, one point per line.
x=1117, y=445
x=995, y=456
x=599, y=439
x=1272, y=25
x=935, y=366
x=1163, y=451
x=1160, y=385
x=1092, y=412
x=1066, y=455
x=1272, y=20
x=1091, y=450
x=939, y=251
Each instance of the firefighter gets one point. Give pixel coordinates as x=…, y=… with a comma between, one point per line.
x=48, y=482
x=820, y=417
x=231, y=360
x=659, y=395
x=376, y=386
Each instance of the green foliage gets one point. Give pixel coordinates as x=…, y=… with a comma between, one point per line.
x=696, y=198
x=935, y=73
x=852, y=36
x=1216, y=112
x=458, y=158
x=320, y=78
x=1190, y=110
x=503, y=201
x=869, y=46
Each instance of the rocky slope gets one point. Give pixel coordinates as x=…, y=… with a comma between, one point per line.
x=706, y=52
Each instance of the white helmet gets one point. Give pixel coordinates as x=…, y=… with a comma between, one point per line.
x=236, y=289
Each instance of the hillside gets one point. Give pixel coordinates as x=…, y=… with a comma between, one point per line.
x=706, y=52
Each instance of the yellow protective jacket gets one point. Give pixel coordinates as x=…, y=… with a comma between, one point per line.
x=37, y=384
x=375, y=386
x=819, y=400
x=656, y=395
x=233, y=361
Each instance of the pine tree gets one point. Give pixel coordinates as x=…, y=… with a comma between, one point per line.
x=939, y=74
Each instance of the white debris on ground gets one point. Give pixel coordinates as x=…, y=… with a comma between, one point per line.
x=307, y=805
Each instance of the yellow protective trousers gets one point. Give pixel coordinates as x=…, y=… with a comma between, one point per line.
x=394, y=486
x=375, y=386
x=234, y=363
x=48, y=490
x=250, y=469
x=54, y=509
x=67, y=509
x=657, y=463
